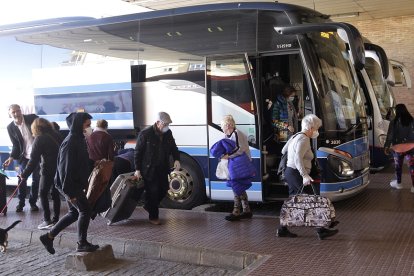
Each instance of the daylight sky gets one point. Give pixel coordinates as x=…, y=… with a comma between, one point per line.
x=28, y=10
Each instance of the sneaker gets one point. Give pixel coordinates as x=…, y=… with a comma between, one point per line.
x=19, y=208
x=247, y=215
x=86, y=247
x=34, y=208
x=154, y=221
x=324, y=233
x=232, y=217
x=45, y=225
x=285, y=233
x=396, y=185
x=47, y=242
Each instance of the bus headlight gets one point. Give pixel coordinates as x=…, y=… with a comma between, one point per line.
x=340, y=167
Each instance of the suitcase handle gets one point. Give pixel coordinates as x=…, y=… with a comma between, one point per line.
x=303, y=186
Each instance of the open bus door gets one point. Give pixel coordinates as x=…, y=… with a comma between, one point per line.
x=231, y=90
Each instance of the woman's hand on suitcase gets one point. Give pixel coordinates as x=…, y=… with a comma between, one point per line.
x=307, y=180
x=137, y=175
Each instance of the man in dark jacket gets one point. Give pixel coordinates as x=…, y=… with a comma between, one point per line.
x=154, y=146
x=71, y=180
x=21, y=137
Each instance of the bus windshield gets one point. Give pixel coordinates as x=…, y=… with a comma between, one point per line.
x=339, y=95
x=381, y=89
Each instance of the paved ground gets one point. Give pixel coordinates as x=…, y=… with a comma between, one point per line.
x=375, y=237
x=24, y=259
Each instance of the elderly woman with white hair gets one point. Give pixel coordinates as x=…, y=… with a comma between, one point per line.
x=239, y=186
x=299, y=164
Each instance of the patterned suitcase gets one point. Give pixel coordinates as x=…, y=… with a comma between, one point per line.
x=307, y=210
x=125, y=195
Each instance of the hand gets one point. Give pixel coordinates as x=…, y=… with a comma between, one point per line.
x=387, y=151
x=307, y=180
x=72, y=200
x=177, y=165
x=269, y=104
x=226, y=156
x=8, y=162
x=137, y=175
x=291, y=129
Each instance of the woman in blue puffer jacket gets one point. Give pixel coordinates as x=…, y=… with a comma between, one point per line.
x=239, y=184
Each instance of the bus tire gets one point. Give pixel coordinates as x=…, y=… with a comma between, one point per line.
x=187, y=189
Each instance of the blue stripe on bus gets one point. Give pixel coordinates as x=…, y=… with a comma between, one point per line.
x=5, y=149
x=82, y=88
x=354, y=147
x=194, y=151
x=341, y=186
x=96, y=116
x=202, y=151
x=221, y=185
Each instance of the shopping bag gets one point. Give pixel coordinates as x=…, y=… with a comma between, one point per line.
x=222, y=171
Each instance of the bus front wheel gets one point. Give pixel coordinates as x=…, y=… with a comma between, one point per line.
x=186, y=186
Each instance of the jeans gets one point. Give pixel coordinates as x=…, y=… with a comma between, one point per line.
x=34, y=191
x=47, y=185
x=79, y=211
x=155, y=190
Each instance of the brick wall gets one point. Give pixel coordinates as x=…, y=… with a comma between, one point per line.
x=396, y=36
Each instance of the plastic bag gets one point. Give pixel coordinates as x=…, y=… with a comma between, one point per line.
x=222, y=171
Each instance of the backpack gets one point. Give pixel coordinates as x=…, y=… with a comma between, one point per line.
x=282, y=166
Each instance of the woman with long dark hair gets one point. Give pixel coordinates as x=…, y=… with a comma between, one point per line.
x=400, y=140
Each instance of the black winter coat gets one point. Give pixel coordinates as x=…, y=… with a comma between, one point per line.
x=73, y=160
x=153, y=151
x=45, y=148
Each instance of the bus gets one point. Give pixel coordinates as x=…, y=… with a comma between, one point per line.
x=380, y=102
x=198, y=64
x=377, y=79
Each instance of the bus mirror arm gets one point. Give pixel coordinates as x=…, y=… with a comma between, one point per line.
x=354, y=37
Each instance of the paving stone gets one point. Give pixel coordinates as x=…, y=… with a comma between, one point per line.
x=85, y=261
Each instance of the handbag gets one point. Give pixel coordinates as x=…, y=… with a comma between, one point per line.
x=222, y=171
x=98, y=180
x=307, y=210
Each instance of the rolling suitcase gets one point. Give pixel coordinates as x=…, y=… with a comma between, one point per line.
x=307, y=210
x=125, y=195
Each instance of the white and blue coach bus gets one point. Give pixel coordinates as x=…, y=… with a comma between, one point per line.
x=198, y=64
x=377, y=78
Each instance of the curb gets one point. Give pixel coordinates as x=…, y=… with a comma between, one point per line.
x=221, y=258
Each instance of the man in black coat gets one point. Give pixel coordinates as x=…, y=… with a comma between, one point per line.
x=21, y=137
x=154, y=146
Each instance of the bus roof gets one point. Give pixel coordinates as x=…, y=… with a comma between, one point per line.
x=117, y=36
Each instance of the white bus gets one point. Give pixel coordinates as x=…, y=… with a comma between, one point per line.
x=198, y=64
x=376, y=79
